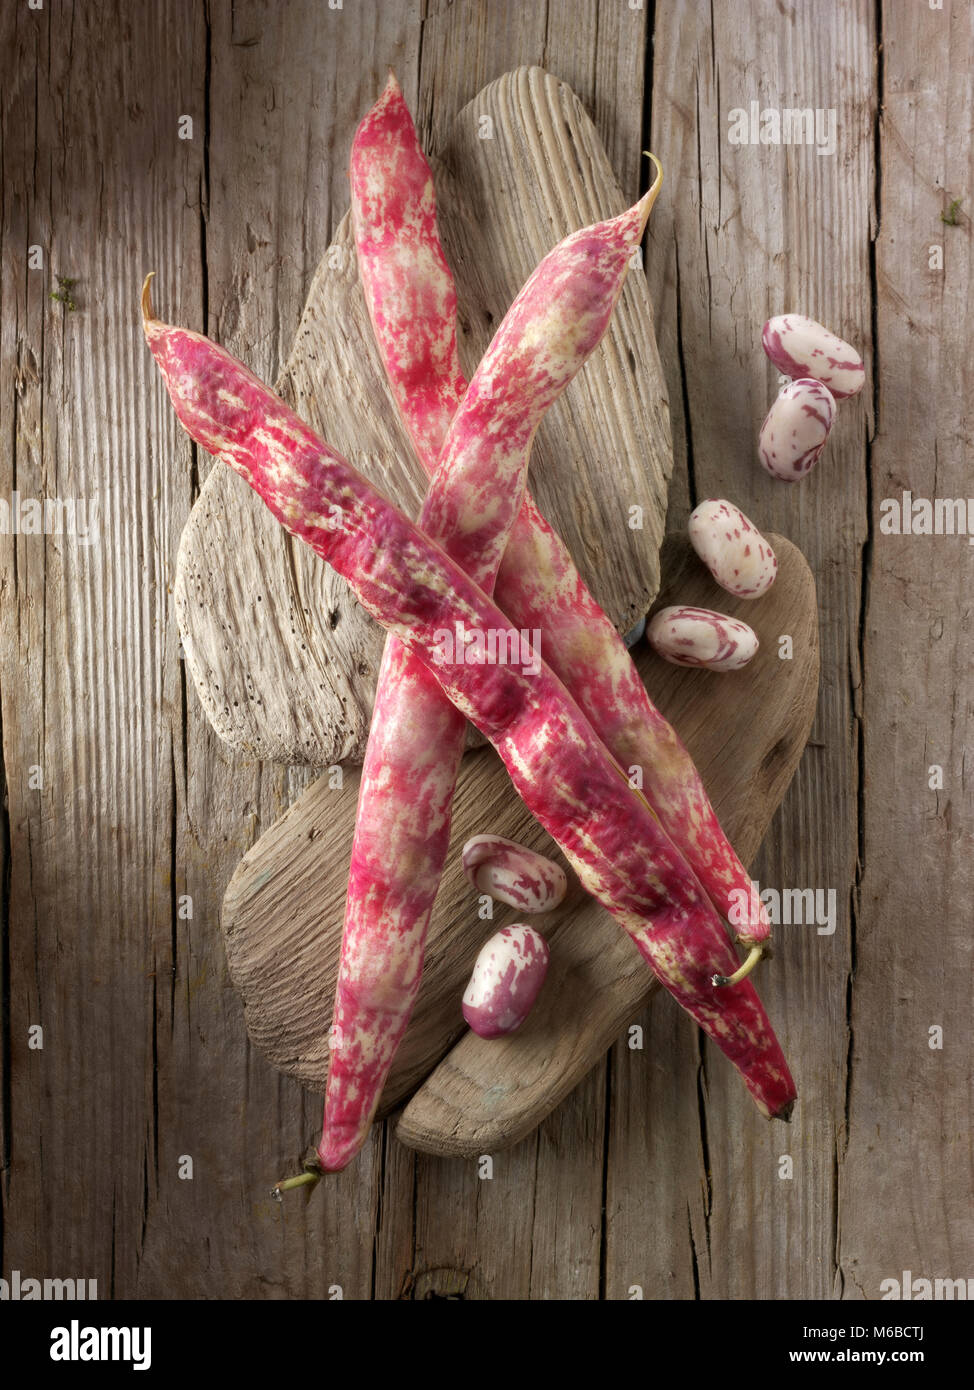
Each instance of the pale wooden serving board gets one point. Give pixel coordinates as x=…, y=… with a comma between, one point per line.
x=283, y=909
x=282, y=657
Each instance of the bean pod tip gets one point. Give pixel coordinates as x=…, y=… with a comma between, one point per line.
x=147, y=315
x=655, y=186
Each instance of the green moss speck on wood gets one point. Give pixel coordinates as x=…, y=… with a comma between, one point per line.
x=64, y=294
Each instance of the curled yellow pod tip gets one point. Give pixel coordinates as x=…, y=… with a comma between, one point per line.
x=147, y=314
x=657, y=181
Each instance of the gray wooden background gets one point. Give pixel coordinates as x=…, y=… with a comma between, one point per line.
x=118, y=799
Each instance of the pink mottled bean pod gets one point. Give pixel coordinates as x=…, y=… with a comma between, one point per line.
x=800, y=347
x=700, y=637
x=506, y=979
x=410, y=292
x=795, y=429
x=416, y=741
x=513, y=874
x=565, y=775
x=732, y=548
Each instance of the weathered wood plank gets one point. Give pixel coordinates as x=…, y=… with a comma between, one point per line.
x=746, y=231
x=907, y=1146
x=90, y=670
x=279, y=125
x=145, y=1053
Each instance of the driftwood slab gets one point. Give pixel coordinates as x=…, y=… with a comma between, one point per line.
x=746, y=732
x=283, y=659
x=283, y=909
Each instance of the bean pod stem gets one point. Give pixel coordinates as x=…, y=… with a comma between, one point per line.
x=309, y=1178
x=742, y=972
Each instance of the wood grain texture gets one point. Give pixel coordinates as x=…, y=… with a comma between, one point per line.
x=142, y=817
x=751, y=230
x=909, y=1103
x=283, y=658
x=282, y=915
x=90, y=675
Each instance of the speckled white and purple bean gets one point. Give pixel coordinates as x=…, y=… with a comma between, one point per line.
x=795, y=429
x=701, y=637
x=513, y=874
x=506, y=978
x=732, y=548
x=800, y=347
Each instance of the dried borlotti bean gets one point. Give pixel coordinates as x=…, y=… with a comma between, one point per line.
x=513, y=874
x=795, y=429
x=732, y=548
x=506, y=978
x=800, y=347
x=701, y=637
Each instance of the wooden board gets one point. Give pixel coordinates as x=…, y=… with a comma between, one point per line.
x=746, y=733
x=283, y=658
x=906, y=1139
x=753, y=230
x=283, y=910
